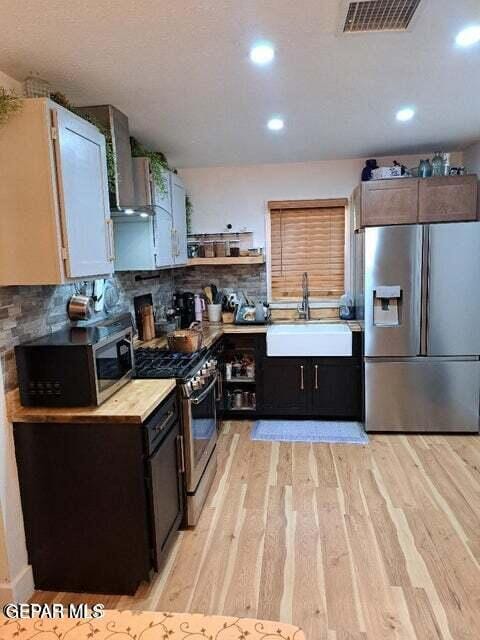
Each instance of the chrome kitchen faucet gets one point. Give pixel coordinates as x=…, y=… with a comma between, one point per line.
x=304, y=307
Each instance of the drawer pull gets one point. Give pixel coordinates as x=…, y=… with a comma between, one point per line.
x=316, y=376
x=302, y=385
x=163, y=424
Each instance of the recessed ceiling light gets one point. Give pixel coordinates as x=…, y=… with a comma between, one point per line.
x=406, y=114
x=275, y=124
x=468, y=36
x=262, y=53
x=144, y=215
x=128, y=211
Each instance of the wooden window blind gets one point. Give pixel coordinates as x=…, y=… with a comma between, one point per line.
x=311, y=240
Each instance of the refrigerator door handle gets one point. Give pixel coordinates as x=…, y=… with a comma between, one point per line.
x=425, y=283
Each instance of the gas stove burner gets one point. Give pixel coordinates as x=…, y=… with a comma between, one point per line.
x=158, y=363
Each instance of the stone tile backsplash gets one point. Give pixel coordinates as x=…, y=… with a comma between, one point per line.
x=30, y=312
x=250, y=278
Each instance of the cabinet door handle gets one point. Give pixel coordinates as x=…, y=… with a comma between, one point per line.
x=111, y=242
x=177, y=242
x=219, y=387
x=316, y=376
x=302, y=386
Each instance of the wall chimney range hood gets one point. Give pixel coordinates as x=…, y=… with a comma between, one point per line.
x=123, y=201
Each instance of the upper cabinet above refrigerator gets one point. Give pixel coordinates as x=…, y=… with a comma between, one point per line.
x=449, y=199
x=55, y=215
x=412, y=200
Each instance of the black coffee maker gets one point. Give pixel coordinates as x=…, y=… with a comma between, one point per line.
x=184, y=304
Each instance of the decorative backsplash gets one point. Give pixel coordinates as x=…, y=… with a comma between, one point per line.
x=30, y=312
x=250, y=278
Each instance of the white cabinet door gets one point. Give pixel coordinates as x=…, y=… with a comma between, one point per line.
x=163, y=197
x=163, y=238
x=179, y=221
x=83, y=193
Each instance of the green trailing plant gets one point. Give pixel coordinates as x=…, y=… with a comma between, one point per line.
x=9, y=104
x=63, y=101
x=188, y=213
x=158, y=164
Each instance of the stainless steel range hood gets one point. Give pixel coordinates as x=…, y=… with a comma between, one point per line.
x=123, y=201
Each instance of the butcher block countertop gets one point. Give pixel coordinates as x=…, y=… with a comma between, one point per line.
x=133, y=403
x=213, y=332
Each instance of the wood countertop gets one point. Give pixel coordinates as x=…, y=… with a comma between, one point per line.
x=133, y=403
x=213, y=332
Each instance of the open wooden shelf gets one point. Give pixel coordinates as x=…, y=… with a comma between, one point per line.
x=195, y=262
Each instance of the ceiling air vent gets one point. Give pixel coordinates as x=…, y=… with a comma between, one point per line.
x=379, y=15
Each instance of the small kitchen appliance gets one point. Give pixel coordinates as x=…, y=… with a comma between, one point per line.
x=252, y=314
x=184, y=303
x=76, y=366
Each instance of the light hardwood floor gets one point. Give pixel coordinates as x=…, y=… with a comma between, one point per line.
x=349, y=542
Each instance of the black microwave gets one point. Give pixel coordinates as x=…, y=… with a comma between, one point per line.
x=76, y=366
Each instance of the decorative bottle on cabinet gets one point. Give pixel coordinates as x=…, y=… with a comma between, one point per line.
x=424, y=169
x=437, y=164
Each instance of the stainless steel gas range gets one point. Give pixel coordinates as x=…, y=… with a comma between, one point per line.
x=197, y=381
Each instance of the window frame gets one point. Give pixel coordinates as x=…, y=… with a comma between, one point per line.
x=315, y=303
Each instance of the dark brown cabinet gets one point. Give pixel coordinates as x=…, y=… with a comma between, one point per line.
x=311, y=387
x=285, y=388
x=448, y=199
x=102, y=501
x=337, y=388
x=389, y=202
x=165, y=490
x=412, y=200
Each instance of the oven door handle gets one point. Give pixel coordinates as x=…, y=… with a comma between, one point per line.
x=205, y=393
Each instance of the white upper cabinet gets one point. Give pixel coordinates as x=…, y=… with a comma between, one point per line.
x=84, y=202
x=179, y=221
x=163, y=197
x=55, y=217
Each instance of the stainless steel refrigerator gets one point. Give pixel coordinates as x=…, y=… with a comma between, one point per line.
x=418, y=292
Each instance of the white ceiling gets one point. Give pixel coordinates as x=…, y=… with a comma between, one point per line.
x=180, y=71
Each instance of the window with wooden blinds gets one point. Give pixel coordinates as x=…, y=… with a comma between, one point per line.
x=308, y=239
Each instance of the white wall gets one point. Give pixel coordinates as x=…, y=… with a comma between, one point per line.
x=471, y=158
x=16, y=580
x=238, y=195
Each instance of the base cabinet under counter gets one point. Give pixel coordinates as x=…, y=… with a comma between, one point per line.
x=101, y=502
x=329, y=387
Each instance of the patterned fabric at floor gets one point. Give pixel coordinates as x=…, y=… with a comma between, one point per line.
x=148, y=625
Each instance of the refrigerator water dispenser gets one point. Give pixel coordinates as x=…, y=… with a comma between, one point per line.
x=386, y=306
